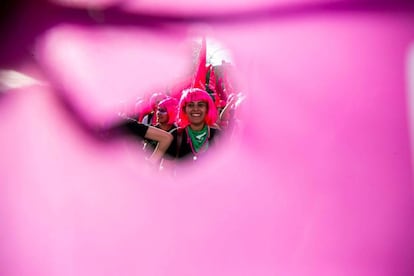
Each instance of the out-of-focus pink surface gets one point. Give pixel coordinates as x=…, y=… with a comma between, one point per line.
x=318, y=183
x=188, y=8
x=105, y=66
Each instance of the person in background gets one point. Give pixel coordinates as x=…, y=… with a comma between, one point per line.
x=167, y=114
x=166, y=117
x=229, y=120
x=151, y=118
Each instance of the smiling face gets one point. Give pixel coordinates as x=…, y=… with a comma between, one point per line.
x=196, y=112
x=196, y=107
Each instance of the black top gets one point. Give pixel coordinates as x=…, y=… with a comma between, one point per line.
x=184, y=151
x=150, y=145
x=128, y=127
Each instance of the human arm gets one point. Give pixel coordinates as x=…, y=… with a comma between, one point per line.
x=164, y=140
x=129, y=127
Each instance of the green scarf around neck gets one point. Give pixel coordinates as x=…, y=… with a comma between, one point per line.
x=198, y=137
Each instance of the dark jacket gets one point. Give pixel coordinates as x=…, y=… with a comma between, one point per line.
x=180, y=147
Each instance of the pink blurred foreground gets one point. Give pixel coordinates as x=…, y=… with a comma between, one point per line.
x=319, y=182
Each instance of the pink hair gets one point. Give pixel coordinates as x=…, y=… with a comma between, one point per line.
x=196, y=94
x=156, y=98
x=171, y=105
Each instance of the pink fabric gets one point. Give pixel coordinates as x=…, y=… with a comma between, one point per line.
x=189, y=8
x=320, y=181
x=199, y=80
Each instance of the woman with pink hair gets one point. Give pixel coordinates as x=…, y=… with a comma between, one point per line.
x=150, y=118
x=166, y=115
x=197, y=116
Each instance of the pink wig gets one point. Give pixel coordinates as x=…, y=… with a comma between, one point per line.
x=156, y=98
x=196, y=94
x=171, y=105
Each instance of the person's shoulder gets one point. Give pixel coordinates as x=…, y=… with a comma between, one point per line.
x=215, y=129
x=173, y=131
x=173, y=127
x=178, y=130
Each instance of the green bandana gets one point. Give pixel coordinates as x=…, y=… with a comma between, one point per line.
x=198, y=137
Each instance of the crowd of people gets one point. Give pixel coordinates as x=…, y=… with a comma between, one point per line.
x=184, y=129
x=185, y=121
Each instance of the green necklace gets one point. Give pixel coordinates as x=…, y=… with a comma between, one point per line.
x=198, y=137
